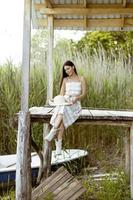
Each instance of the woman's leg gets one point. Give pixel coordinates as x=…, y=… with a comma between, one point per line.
x=58, y=121
x=58, y=140
x=55, y=128
x=61, y=131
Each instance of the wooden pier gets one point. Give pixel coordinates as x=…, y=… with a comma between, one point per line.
x=98, y=117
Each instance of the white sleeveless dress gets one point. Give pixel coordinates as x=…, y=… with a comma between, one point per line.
x=72, y=112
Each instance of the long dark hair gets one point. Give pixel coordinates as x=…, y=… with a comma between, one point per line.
x=64, y=74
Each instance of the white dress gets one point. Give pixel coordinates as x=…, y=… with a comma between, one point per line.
x=72, y=112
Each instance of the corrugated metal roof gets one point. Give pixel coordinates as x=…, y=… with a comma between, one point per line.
x=106, y=15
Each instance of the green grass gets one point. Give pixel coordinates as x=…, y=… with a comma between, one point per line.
x=107, y=188
x=109, y=85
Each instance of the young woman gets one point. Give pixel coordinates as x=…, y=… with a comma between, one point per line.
x=73, y=88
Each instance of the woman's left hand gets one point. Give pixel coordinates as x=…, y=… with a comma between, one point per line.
x=74, y=99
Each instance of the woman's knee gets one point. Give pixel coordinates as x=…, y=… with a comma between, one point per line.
x=58, y=120
x=62, y=126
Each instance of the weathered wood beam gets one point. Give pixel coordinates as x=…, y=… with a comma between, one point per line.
x=23, y=169
x=123, y=22
x=23, y=166
x=86, y=11
x=111, y=6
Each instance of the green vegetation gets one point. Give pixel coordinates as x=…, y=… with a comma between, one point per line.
x=107, y=188
x=111, y=42
x=109, y=85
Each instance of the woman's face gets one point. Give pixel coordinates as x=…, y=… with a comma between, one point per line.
x=69, y=70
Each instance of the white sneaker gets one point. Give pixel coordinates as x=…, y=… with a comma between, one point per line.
x=58, y=144
x=51, y=134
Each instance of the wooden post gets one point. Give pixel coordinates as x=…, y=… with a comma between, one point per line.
x=50, y=59
x=23, y=171
x=45, y=166
x=47, y=146
x=23, y=167
x=127, y=150
x=131, y=161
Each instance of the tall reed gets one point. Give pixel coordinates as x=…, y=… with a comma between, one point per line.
x=109, y=85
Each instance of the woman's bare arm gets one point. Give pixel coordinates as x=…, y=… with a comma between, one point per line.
x=62, y=91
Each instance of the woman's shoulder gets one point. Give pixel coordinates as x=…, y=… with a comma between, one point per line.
x=65, y=79
x=81, y=78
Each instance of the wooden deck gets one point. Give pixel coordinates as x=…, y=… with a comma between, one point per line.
x=61, y=186
x=113, y=117
x=99, y=117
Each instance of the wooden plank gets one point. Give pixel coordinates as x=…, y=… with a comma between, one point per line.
x=71, y=188
x=74, y=191
x=121, y=113
x=49, y=179
x=101, y=114
x=128, y=22
x=87, y=116
x=52, y=189
x=40, y=110
x=131, y=160
x=103, y=122
x=23, y=164
x=65, y=179
x=86, y=11
x=88, y=5
x=77, y=194
x=86, y=112
x=63, y=186
x=114, y=115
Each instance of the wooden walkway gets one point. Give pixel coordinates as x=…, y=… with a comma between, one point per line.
x=113, y=117
x=99, y=117
x=61, y=186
